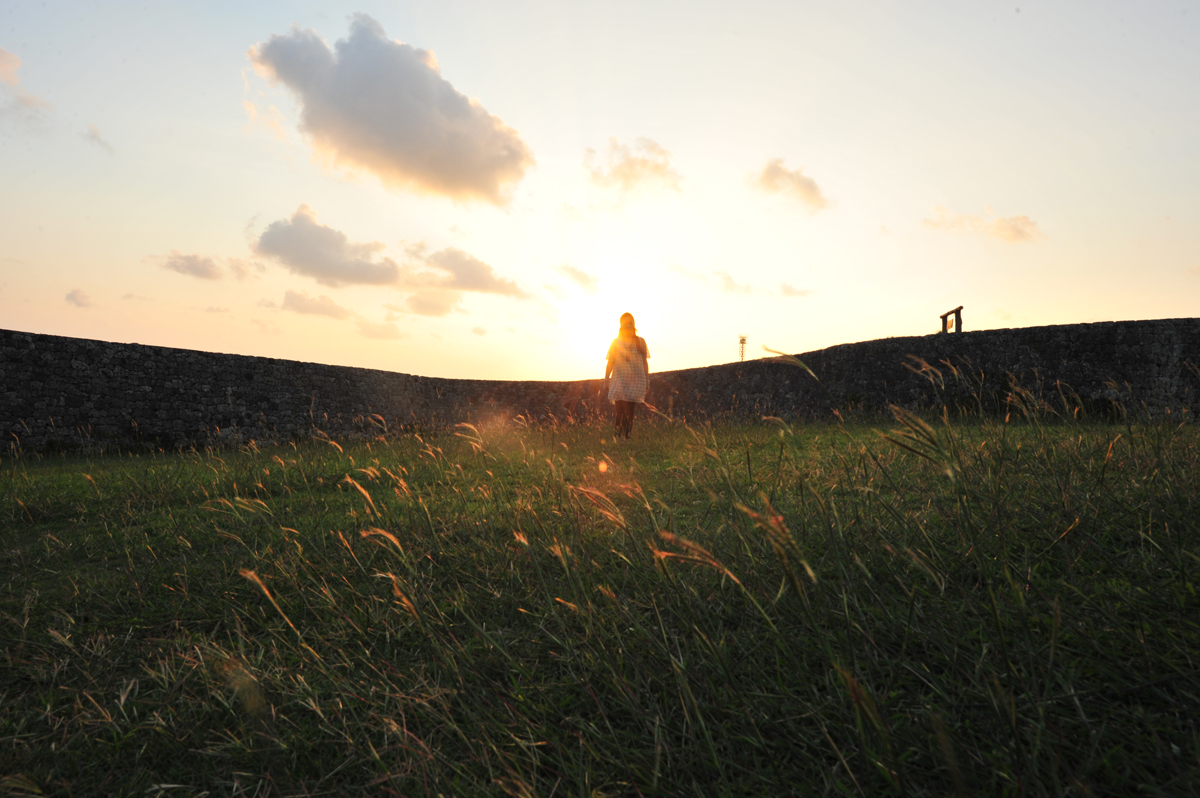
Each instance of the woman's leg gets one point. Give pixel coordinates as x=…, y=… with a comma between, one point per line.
x=629, y=419
x=620, y=410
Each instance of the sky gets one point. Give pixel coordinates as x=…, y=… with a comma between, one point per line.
x=479, y=189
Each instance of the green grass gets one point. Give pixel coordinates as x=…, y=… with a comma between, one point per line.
x=968, y=608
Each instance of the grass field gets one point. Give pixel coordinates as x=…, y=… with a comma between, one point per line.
x=969, y=608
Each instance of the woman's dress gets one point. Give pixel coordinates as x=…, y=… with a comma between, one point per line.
x=628, y=382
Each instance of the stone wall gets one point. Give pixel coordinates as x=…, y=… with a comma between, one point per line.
x=1142, y=365
x=70, y=392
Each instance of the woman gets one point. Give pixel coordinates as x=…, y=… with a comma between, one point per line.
x=630, y=374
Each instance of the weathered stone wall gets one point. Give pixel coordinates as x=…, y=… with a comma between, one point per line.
x=72, y=392
x=1143, y=365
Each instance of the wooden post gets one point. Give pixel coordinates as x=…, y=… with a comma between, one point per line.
x=957, y=319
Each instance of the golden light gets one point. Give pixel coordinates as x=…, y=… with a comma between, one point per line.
x=603, y=466
x=633, y=261
x=588, y=324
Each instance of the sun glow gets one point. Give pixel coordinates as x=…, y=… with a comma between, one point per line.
x=587, y=325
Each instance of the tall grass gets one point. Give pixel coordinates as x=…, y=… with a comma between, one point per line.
x=950, y=608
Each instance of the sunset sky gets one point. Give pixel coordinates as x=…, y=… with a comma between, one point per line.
x=480, y=189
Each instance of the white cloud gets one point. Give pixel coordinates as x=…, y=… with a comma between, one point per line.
x=1013, y=229
x=206, y=268
x=9, y=64
x=301, y=302
x=272, y=120
x=628, y=168
x=15, y=102
x=777, y=179
x=193, y=266
x=78, y=298
x=436, y=282
x=242, y=268
x=464, y=272
x=433, y=303
x=479, y=331
x=93, y=135
x=588, y=282
x=729, y=286
x=726, y=283
x=380, y=105
x=379, y=330
x=215, y=309
x=688, y=273
x=314, y=250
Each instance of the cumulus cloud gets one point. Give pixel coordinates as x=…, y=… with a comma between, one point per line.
x=377, y=104
x=436, y=281
x=193, y=266
x=93, y=135
x=588, y=282
x=78, y=298
x=777, y=179
x=378, y=330
x=15, y=102
x=627, y=168
x=301, y=302
x=787, y=290
x=306, y=247
x=1012, y=229
x=464, y=272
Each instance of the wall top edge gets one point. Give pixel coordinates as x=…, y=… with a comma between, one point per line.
x=32, y=337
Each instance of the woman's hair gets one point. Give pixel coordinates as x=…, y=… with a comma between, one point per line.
x=627, y=325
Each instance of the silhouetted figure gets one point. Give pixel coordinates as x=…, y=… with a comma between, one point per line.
x=629, y=372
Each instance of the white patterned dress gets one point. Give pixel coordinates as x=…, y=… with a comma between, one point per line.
x=628, y=382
